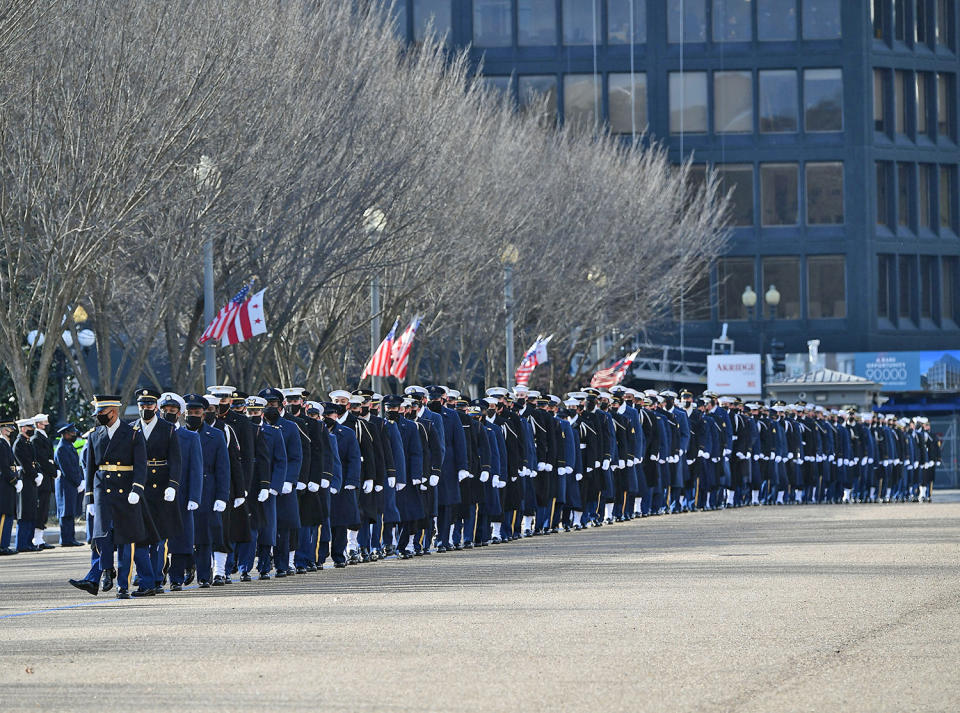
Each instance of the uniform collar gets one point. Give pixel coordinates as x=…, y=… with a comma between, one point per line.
x=113, y=429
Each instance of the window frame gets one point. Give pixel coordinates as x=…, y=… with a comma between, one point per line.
x=807, y=108
x=843, y=206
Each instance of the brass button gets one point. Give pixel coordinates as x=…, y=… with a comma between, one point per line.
x=120, y=490
x=108, y=490
x=154, y=485
x=153, y=470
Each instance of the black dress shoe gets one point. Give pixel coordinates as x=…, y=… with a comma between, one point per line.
x=159, y=590
x=245, y=577
x=280, y=574
x=176, y=587
x=468, y=545
x=71, y=544
x=495, y=541
x=142, y=593
x=7, y=551
x=86, y=585
x=404, y=555
x=227, y=580
x=191, y=573
x=107, y=583
x=123, y=594
x=301, y=570
x=441, y=549
x=311, y=568
x=204, y=584
x=45, y=546
x=339, y=565
x=218, y=580
x=264, y=576
x=320, y=566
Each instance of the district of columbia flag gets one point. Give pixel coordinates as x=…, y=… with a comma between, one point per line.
x=249, y=321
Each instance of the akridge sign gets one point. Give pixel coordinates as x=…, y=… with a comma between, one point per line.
x=734, y=374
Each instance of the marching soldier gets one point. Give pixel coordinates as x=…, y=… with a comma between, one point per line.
x=69, y=483
x=29, y=513
x=10, y=485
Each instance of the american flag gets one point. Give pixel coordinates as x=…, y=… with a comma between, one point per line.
x=379, y=364
x=605, y=378
x=248, y=322
x=401, y=350
x=534, y=356
x=225, y=316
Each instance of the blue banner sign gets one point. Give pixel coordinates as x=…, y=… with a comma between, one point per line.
x=911, y=371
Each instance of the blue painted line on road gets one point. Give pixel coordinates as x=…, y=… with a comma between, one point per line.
x=71, y=606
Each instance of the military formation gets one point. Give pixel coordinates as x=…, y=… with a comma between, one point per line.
x=223, y=486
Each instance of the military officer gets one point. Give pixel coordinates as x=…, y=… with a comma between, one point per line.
x=29, y=513
x=344, y=508
x=43, y=450
x=10, y=485
x=69, y=483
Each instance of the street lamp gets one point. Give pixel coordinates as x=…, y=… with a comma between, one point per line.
x=755, y=311
x=207, y=177
x=374, y=223
x=509, y=258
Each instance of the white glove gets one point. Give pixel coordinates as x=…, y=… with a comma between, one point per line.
x=333, y=491
x=79, y=487
x=324, y=483
x=579, y=477
x=219, y=506
x=263, y=495
x=549, y=467
x=313, y=487
x=169, y=495
x=272, y=491
x=778, y=459
x=378, y=488
x=863, y=461
x=484, y=476
x=704, y=455
x=502, y=484
x=621, y=464
x=392, y=481
x=133, y=498
x=416, y=481
x=90, y=510
x=287, y=488
x=513, y=479
x=462, y=475
x=434, y=479
x=38, y=480
x=18, y=486
x=596, y=464
x=541, y=466
x=532, y=473
x=606, y=463
x=237, y=502
x=368, y=486
x=790, y=455
x=400, y=486
x=496, y=481
x=191, y=505
x=301, y=486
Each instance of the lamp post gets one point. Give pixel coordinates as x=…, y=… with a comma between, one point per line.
x=207, y=177
x=755, y=311
x=510, y=257
x=374, y=223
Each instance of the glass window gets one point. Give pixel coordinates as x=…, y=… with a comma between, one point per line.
x=784, y=274
x=823, y=99
x=539, y=92
x=944, y=98
x=426, y=13
x=928, y=284
x=925, y=179
x=499, y=85
x=581, y=100
x=776, y=20
x=694, y=302
x=688, y=102
x=778, y=193
x=824, y=193
x=884, y=285
x=618, y=21
x=628, y=103
x=821, y=19
x=948, y=288
x=945, y=22
x=732, y=20
x=536, y=22
x=581, y=22
x=826, y=287
x=946, y=197
x=907, y=284
x=732, y=102
x=492, y=23
x=884, y=178
x=687, y=21
x=900, y=20
x=900, y=102
x=734, y=274
x=877, y=12
x=923, y=22
x=779, y=105
x=904, y=189
x=923, y=118
x=880, y=100
x=738, y=180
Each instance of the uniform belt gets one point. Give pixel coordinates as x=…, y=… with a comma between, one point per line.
x=110, y=468
x=156, y=462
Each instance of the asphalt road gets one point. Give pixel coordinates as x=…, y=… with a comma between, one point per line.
x=814, y=608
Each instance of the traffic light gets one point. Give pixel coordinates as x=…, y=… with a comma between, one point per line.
x=778, y=356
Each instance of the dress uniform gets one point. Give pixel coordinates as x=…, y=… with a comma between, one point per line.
x=28, y=512
x=288, y=508
x=433, y=445
x=344, y=509
x=116, y=475
x=10, y=486
x=43, y=450
x=68, y=483
x=454, y=468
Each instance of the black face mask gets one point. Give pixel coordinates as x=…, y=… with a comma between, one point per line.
x=393, y=415
x=210, y=417
x=292, y=409
x=491, y=412
x=364, y=410
x=102, y=418
x=412, y=415
x=329, y=422
x=223, y=410
x=146, y=415
x=170, y=417
x=194, y=422
x=271, y=413
x=521, y=403
x=435, y=406
x=255, y=420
